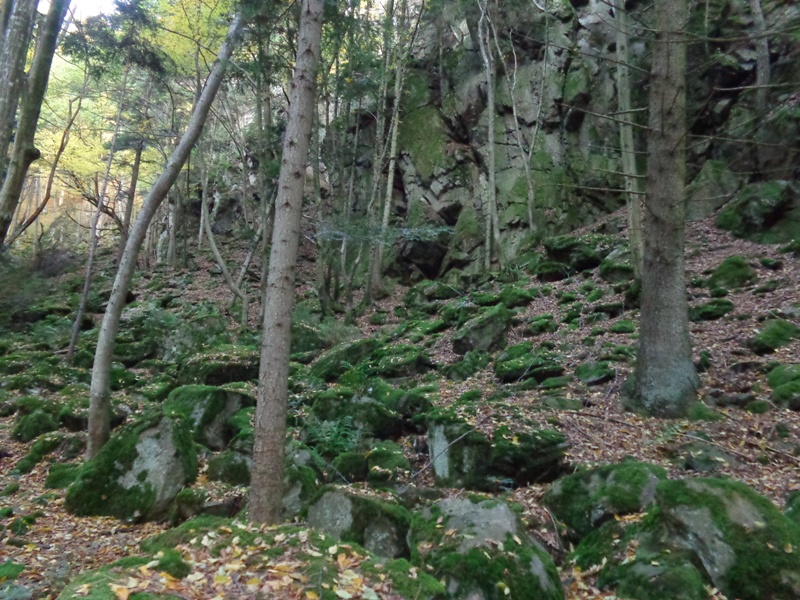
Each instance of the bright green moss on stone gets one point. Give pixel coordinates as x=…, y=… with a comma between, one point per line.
x=733, y=272
x=774, y=334
x=31, y=426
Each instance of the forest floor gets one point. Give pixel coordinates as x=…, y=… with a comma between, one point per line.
x=762, y=447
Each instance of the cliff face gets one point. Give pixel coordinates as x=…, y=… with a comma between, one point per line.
x=557, y=123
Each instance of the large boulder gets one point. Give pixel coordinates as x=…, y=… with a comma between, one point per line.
x=484, y=332
x=480, y=550
x=766, y=212
x=334, y=362
x=587, y=499
x=225, y=364
x=207, y=411
x=380, y=527
x=138, y=473
x=698, y=533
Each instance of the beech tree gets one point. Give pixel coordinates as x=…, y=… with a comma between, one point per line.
x=665, y=381
x=266, y=490
x=99, y=393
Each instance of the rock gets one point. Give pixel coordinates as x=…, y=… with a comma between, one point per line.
x=765, y=212
x=521, y=362
x=484, y=332
x=738, y=537
x=733, y=272
x=373, y=417
x=587, y=499
x=480, y=550
x=380, y=527
x=230, y=467
x=29, y=427
x=334, y=362
x=702, y=457
x=386, y=465
x=574, y=252
x=595, y=373
x=300, y=485
x=713, y=186
x=137, y=473
x=207, y=410
x=711, y=310
x=226, y=364
x=473, y=361
x=462, y=463
x=792, y=509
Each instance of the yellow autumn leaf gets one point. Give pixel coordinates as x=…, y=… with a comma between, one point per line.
x=120, y=591
x=222, y=579
x=312, y=595
x=333, y=550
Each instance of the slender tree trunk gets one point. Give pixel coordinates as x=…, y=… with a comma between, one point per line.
x=627, y=148
x=18, y=21
x=24, y=152
x=494, y=249
x=762, y=57
x=131, y=195
x=665, y=379
x=99, y=393
x=94, y=234
x=266, y=490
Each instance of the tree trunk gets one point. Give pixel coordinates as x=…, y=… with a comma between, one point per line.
x=627, y=148
x=94, y=235
x=99, y=393
x=131, y=194
x=665, y=380
x=266, y=490
x=762, y=58
x=494, y=250
x=24, y=152
x=18, y=21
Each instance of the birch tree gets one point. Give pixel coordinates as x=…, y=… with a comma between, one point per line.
x=99, y=392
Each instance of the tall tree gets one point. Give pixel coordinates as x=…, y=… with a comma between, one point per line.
x=665, y=380
x=627, y=148
x=24, y=152
x=99, y=392
x=266, y=490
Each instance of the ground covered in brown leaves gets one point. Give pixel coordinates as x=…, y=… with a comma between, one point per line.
x=54, y=546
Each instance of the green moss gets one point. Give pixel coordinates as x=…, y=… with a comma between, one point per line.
x=700, y=412
x=184, y=532
x=242, y=431
x=595, y=373
x=615, y=272
x=542, y=324
x=387, y=464
x=352, y=466
x=787, y=394
x=10, y=490
x=229, y=467
x=751, y=526
x=43, y=446
x=173, y=563
x=98, y=491
x=334, y=362
x=774, y=334
x=409, y=581
x=29, y=427
x=733, y=272
x=10, y=570
x=783, y=374
x=586, y=499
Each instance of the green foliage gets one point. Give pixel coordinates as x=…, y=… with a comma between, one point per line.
x=43, y=446
x=774, y=334
x=10, y=570
x=61, y=475
x=710, y=311
x=332, y=438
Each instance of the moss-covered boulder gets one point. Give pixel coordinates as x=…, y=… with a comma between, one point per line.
x=733, y=272
x=460, y=454
x=522, y=362
x=472, y=362
x=207, y=411
x=614, y=271
x=595, y=373
x=137, y=473
x=712, y=310
x=774, y=334
x=480, y=550
x=371, y=416
x=400, y=360
x=743, y=542
x=30, y=426
x=550, y=271
x=785, y=383
x=222, y=365
x=380, y=527
x=351, y=465
x=230, y=467
x=542, y=324
x=524, y=457
x=765, y=212
x=387, y=465
x=575, y=252
x=585, y=500
x=484, y=332
x=334, y=362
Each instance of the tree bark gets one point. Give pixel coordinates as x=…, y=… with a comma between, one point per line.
x=18, y=21
x=24, y=152
x=266, y=490
x=99, y=393
x=627, y=148
x=762, y=57
x=665, y=380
